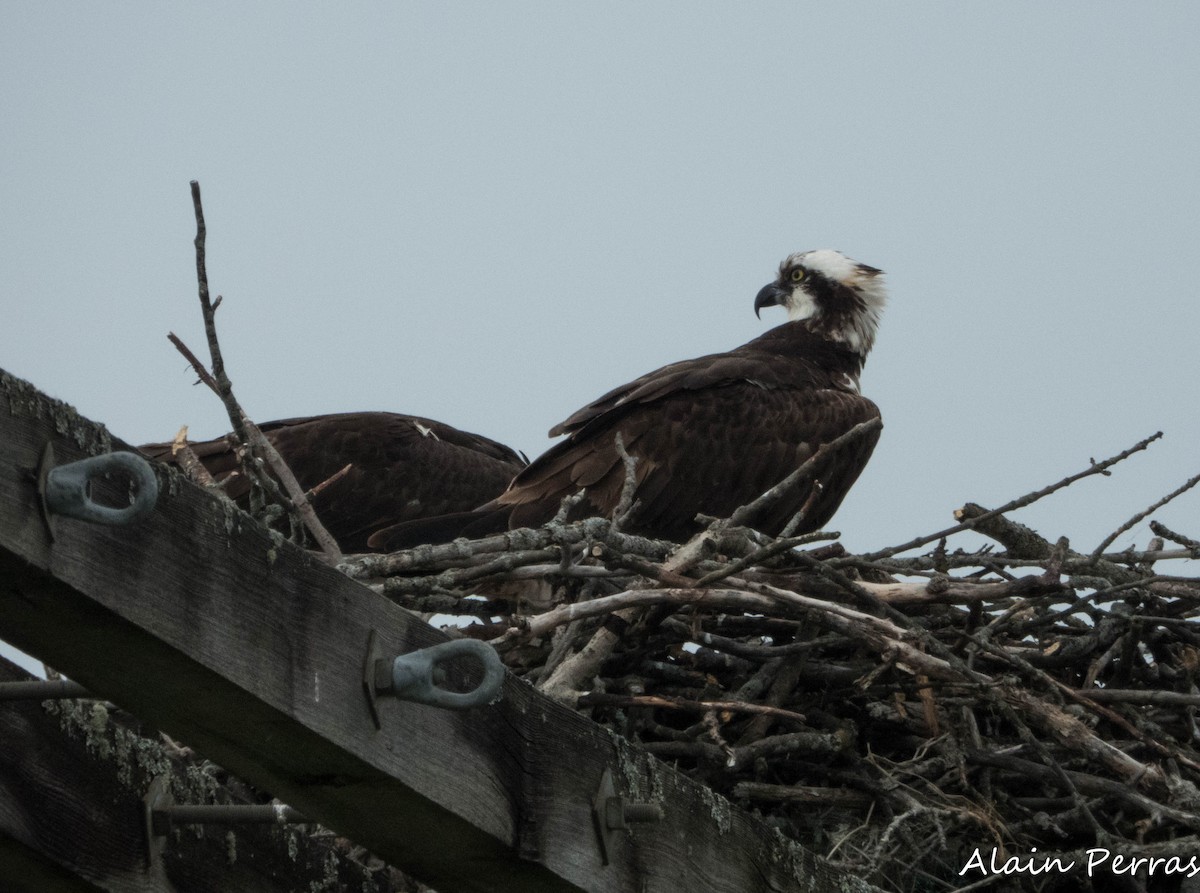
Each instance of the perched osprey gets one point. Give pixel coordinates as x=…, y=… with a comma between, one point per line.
x=402, y=468
x=711, y=434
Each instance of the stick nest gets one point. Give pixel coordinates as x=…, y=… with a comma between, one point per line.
x=894, y=714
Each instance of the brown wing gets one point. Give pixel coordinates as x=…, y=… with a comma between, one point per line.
x=703, y=450
x=787, y=357
x=709, y=435
x=402, y=468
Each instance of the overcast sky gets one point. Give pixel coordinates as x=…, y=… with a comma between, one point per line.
x=492, y=213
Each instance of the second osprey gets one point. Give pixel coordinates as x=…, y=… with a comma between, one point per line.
x=711, y=434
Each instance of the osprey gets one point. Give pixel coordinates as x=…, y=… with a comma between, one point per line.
x=402, y=468
x=709, y=435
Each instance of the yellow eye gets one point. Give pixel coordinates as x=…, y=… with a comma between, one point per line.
x=797, y=274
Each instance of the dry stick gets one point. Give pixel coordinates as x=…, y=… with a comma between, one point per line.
x=643, y=568
x=785, y=681
x=1088, y=784
x=202, y=281
x=1073, y=734
x=738, y=518
x=247, y=432
x=194, y=468
x=563, y=684
x=328, y=482
x=1017, y=539
x=198, y=367
x=755, y=652
x=535, y=569
x=604, y=699
x=733, y=757
x=1048, y=759
x=1073, y=728
x=261, y=446
x=1108, y=540
x=190, y=462
x=626, y=504
x=434, y=556
x=715, y=599
x=1118, y=720
x=1139, y=696
x=455, y=577
x=886, y=637
x=568, y=502
x=251, y=470
x=220, y=381
x=1167, y=533
x=308, y=515
x=1075, y=563
x=1020, y=540
x=781, y=793
x=761, y=554
x=960, y=591
x=1027, y=499
x=797, y=519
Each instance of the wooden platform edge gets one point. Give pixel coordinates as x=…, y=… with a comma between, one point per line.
x=207, y=625
x=73, y=774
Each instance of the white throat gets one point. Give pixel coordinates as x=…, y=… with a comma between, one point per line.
x=801, y=305
x=857, y=329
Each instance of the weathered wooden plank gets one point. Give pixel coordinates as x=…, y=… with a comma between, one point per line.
x=72, y=817
x=247, y=648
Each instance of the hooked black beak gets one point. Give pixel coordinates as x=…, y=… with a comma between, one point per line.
x=770, y=296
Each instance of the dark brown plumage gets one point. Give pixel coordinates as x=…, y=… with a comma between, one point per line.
x=711, y=434
x=403, y=468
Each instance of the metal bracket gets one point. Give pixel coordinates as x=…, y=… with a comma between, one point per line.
x=43, y=690
x=612, y=814
x=162, y=814
x=415, y=676
x=156, y=796
x=63, y=490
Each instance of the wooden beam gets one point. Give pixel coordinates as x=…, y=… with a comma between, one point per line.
x=72, y=775
x=207, y=625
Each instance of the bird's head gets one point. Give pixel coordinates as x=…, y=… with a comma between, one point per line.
x=838, y=297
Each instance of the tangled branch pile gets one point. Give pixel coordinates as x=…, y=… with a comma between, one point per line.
x=893, y=713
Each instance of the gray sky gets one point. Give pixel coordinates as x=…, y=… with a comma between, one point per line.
x=492, y=213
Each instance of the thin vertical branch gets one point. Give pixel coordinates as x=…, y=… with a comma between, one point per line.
x=224, y=385
x=244, y=429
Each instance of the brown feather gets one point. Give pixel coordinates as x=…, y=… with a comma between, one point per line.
x=710, y=435
x=399, y=472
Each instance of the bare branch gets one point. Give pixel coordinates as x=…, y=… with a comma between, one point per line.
x=603, y=699
x=189, y=461
x=246, y=431
x=1167, y=533
x=626, y=505
x=328, y=482
x=1021, y=502
x=751, y=509
x=1136, y=519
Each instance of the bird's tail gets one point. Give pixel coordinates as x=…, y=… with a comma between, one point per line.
x=482, y=521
